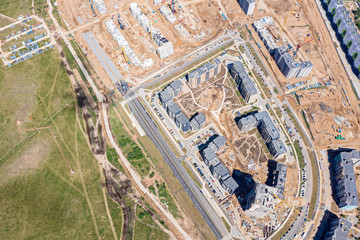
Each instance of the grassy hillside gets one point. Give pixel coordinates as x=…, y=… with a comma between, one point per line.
x=39, y=197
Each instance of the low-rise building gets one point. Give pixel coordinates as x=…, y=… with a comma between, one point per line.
x=229, y=184
x=176, y=86
x=247, y=123
x=173, y=109
x=208, y=154
x=99, y=4
x=203, y=73
x=182, y=122
x=219, y=171
x=343, y=177
x=197, y=122
x=218, y=143
x=165, y=97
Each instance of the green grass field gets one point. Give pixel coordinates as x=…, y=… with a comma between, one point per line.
x=14, y=8
x=40, y=198
x=146, y=227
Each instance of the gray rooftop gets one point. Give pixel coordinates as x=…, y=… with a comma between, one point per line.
x=240, y=70
x=280, y=176
x=165, y=95
x=279, y=146
x=219, y=141
x=248, y=120
x=270, y=126
x=264, y=195
x=175, y=84
x=208, y=153
x=174, y=108
x=349, y=176
x=182, y=118
x=230, y=183
x=248, y=86
x=221, y=170
x=204, y=69
x=200, y=118
x=340, y=232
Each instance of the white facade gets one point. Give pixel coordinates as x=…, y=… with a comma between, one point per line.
x=99, y=4
x=140, y=16
x=165, y=50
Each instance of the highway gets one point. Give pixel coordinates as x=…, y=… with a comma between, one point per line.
x=146, y=122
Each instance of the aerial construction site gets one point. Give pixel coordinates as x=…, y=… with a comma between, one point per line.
x=244, y=110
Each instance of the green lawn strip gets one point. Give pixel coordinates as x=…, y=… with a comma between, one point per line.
x=14, y=8
x=129, y=148
x=297, y=126
x=307, y=124
x=166, y=198
x=286, y=227
x=314, y=185
x=252, y=51
x=191, y=174
x=233, y=83
x=299, y=155
x=226, y=224
x=261, y=84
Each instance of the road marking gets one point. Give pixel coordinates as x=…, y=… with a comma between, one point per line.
x=204, y=209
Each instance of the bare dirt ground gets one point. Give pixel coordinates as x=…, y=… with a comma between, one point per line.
x=26, y=163
x=304, y=20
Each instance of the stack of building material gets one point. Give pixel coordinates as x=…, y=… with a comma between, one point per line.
x=167, y=13
x=182, y=30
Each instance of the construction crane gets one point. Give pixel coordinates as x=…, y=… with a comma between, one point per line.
x=119, y=21
x=286, y=18
x=308, y=40
x=126, y=58
x=92, y=8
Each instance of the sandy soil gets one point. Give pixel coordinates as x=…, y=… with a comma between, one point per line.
x=27, y=162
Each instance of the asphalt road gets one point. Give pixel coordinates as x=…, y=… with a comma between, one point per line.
x=179, y=172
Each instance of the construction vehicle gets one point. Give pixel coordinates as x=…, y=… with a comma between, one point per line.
x=286, y=18
x=92, y=8
x=126, y=58
x=307, y=40
x=339, y=137
x=120, y=22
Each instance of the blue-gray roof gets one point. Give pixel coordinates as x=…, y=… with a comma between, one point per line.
x=181, y=118
x=208, y=153
x=268, y=124
x=174, y=108
x=204, y=69
x=219, y=141
x=279, y=146
x=200, y=118
x=221, y=170
x=175, y=84
x=337, y=228
x=165, y=96
x=248, y=120
x=230, y=183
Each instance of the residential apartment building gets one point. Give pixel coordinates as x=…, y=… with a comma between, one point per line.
x=337, y=228
x=245, y=85
x=343, y=177
x=203, y=73
x=248, y=6
x=197, y=122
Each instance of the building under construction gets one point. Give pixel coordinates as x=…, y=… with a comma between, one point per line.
x=165, y=48
x=165, y=10
x=124, y=45
x=99, y=4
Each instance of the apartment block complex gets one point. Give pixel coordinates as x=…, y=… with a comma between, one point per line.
x=203, y=73
x=267, y=130
x=346, y=31
x=343, y=177
x=245, y=84
x=197, y=122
